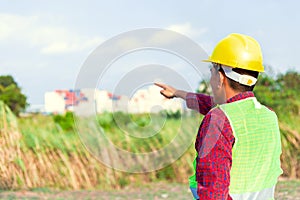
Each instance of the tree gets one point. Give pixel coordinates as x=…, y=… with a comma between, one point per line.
x=11, y=95
x=204, y=87
x=281, y=93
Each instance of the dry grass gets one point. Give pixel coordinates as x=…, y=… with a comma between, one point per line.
x=39, y=155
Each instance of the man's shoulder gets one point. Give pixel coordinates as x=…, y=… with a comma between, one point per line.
x=216, y=115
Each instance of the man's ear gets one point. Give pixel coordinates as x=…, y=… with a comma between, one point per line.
x=222, y=79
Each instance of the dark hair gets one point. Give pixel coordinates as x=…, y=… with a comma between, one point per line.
x=236, y=86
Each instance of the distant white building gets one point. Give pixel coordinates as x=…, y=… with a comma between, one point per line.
x=61, y=101
x=91, y=101
x=54, y=103
x=151, y=101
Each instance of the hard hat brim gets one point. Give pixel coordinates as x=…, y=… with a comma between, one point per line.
x=206, y=60
x=232, y=65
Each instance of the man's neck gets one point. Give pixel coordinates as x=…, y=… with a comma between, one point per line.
x=231, y=93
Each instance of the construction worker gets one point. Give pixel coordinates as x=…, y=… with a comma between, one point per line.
x=238, y=143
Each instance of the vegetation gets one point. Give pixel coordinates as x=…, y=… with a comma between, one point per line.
x=47, y=155
x=64, y=122
x=11, y=95
x=282, y=94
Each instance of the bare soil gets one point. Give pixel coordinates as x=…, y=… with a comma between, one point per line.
x=285, y=190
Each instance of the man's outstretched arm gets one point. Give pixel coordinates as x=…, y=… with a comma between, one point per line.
x=170, y=92
x=199, y=102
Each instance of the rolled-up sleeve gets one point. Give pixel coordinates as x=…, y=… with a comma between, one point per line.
x=199, y=102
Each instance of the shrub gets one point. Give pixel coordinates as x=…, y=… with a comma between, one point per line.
x=66, y=121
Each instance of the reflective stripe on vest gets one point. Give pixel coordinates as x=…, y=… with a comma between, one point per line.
x=257, y=148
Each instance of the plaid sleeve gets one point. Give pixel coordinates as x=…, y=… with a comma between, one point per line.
x=199, y=102
x=214, y=146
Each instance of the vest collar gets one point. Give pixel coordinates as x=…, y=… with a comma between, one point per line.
x=240, y=96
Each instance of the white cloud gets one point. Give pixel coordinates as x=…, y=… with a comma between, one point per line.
x=187, y=29
x=70, y=46
x=13, y=25
x=49, y=39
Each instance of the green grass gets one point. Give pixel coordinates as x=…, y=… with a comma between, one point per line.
x=42, y=135
x=45, y=144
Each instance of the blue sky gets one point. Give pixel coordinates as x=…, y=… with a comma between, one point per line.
x=43, y=44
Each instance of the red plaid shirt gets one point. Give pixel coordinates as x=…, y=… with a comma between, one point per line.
x=214, y=146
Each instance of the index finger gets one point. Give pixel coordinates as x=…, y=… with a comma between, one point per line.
x=160, y=85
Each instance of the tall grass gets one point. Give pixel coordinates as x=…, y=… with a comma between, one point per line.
x=49, y=156
x=42, y=153
x=290, y=137
x=10, y=153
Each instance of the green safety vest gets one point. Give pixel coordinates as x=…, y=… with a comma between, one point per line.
x=256, y=151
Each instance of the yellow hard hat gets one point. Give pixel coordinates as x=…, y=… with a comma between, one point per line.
x=238, y=51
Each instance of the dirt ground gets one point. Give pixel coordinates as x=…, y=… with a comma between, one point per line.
x=285, y=190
